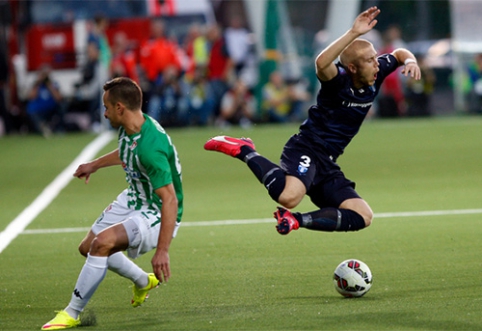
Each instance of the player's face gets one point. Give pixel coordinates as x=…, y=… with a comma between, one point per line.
x=367, y=66
x=110, y=111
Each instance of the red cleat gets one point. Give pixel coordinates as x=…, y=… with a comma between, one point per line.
x=228, y=145
x=286, y=221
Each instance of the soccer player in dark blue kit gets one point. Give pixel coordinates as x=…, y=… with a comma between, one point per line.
x=308, y=162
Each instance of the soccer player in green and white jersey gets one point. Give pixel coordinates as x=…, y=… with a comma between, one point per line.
x=145, y=216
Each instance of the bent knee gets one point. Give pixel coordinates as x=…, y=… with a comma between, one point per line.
x=288, y=201
x=367, y=216
x=84, y=247
x=83, y=250
x=361, y=207
x=99, y=244
x=293, y=193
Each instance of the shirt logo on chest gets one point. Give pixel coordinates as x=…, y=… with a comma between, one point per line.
x=130, y=172
x=346, y=103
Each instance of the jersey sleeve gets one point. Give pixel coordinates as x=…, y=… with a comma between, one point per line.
x=387, y=64
x=333, y=85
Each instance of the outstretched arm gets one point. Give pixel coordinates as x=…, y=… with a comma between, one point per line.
x=107, y=160
x=160, y=260
x=408, y=60
x=325, y=68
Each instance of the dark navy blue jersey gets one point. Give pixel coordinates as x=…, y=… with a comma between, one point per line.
x=340, y=108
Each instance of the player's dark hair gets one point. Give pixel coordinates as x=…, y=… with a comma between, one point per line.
x=125, y=91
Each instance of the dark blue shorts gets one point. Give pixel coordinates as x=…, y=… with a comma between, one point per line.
x=325, y=183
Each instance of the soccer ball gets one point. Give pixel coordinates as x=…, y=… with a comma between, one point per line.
x=352, y=278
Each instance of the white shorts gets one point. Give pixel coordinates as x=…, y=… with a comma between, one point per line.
x=142, y=226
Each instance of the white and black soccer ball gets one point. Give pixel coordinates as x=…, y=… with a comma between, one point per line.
x=352, y=278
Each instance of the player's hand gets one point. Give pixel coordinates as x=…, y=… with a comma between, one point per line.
x=84, y=171
x=366, y=21
x=160, y=265
x=413, y=70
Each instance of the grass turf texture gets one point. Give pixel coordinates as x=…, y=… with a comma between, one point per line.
x=247, y=277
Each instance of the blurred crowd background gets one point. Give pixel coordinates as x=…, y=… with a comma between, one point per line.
x=208, y=63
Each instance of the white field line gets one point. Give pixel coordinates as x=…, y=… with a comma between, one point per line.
x=51, y=191
x=271, y=220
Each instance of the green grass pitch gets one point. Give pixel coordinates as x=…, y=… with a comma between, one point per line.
x=426, y=268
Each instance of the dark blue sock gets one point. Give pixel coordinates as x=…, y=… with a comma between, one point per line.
x=244, y=151
x=331, y=219
x=268, y=173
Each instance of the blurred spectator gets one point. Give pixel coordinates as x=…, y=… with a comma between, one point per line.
x=320, y=40
x=419, y=92
x=375, y=37
x=391, y=101
x=219, y=69
x=298, y=91
x=124, y=61
x=44, y=104
x=474, y=84
x=199, y=98
x=237, y=107
x=197, y=49
x=276, y=102
x=97, y=36
x=157, y=54
x=167, y=104
x=238, y=43
x=392, y=37
x=95, y=71
x=282, y=102
x=87, y=95
x=5, y=125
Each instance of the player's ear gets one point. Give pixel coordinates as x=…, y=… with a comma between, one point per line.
x=352, y=68
x=119, y=107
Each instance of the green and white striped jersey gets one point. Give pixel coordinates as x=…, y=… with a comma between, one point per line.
x=150, y=161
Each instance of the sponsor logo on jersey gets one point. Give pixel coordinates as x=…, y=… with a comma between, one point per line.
x=131, y=173
x=356, y=104
x=134, y=174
